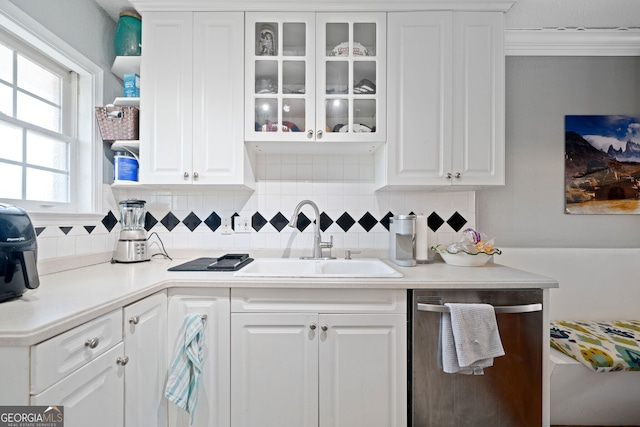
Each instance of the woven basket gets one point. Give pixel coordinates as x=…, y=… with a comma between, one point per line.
x=118, y=123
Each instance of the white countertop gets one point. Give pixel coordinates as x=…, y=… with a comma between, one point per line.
x=69, y=298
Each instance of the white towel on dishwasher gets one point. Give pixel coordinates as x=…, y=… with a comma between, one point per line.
x=185, y=371
x=469, y=338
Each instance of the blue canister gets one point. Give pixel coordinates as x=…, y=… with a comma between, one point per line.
x=125, y=167
x=127, y=40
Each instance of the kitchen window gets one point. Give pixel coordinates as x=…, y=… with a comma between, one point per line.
x=50, y=152
x=36, y=126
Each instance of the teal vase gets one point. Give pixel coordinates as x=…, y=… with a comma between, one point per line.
x=128, y=37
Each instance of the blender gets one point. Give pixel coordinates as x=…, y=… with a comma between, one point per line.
x=132, y=244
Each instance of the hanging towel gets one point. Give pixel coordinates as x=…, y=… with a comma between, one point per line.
x=186, y=368
x=469, y=338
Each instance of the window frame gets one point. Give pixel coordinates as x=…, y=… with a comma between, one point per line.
x=68, y=124
x=87, y=193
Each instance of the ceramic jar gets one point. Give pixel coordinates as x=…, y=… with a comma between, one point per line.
x=127, y=40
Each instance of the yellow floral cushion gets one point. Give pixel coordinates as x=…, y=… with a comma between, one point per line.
x=600, y=345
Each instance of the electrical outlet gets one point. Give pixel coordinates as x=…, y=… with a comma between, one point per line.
x=241, y=224
x=225, y=227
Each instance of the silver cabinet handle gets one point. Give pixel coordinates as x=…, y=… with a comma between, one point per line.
x=448, y=175
x=92, y=343
x=320, y=133
x=457, y=175
x=196, y=176
x=309, y=134
x=324, y=327
x=122, y=360
x=500, y=309
x=186, y=175
x=312, y=326
x=134, y=320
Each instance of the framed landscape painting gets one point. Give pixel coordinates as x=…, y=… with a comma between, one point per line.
x=602, y=164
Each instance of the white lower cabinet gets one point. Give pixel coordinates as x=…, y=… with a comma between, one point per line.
x=145, y=344
x=362, y=367
x=213, y=392
x=306, y=358
x=274, y=370
x=82, y=369
x=271, y=358
x=92, y=395
x=108, y=372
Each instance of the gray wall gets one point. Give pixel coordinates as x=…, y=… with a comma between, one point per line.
x=529, y=210
x=85, y=27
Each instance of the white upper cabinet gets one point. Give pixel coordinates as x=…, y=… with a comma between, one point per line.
x=280, y=76
x=446, y=100
x=191, y=102
x=421, y=88
x=315, y=78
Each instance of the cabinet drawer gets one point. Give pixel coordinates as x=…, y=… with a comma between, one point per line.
x=59, y=356
x=260, y=300
x=93, y=395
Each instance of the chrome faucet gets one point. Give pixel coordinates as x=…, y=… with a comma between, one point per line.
x=318, y=244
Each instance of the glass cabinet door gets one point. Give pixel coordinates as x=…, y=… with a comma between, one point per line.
x=351, y=81
x=280, y=77
x=315, y=77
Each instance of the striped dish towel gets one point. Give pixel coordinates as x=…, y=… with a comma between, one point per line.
x=186, y=368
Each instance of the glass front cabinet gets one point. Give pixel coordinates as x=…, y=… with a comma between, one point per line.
x=315, y=77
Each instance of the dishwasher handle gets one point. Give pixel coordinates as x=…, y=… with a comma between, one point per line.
x=502, y=309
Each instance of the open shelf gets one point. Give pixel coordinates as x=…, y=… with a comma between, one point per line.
x=132, y=146
x=125, y=65
x=127, y=102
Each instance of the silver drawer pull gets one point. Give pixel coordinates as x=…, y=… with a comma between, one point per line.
x=324, y=327
x=312, y=326
x=134, y=320
x=501, y=309
x=92, y=343
x=122, y=360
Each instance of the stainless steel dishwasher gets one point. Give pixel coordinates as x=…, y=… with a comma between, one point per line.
x=509, y=394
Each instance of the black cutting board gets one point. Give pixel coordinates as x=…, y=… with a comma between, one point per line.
x=228, y=262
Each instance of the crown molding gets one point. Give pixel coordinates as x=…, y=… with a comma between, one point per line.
x=321, y=6
x=573, y=42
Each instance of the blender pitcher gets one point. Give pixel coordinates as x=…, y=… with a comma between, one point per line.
x=132, y=243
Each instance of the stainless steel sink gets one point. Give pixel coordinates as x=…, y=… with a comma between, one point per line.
x=285, y=267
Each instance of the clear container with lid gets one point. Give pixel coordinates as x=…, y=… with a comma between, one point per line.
x=132, y=215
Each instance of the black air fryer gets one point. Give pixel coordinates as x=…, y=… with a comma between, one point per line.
x=18, y=253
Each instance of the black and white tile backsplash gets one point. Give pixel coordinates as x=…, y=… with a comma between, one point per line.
x=351, y=211
x=213, y=222
x=204, y=228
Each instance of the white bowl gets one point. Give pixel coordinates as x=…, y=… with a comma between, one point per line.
x=463, y=259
